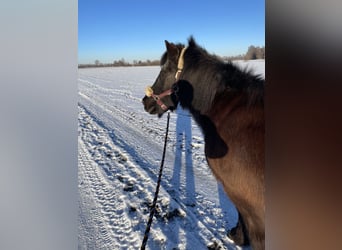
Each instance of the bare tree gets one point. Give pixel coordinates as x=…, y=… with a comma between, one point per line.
x=255, y=53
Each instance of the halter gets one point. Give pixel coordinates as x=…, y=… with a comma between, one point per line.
x=157, y=98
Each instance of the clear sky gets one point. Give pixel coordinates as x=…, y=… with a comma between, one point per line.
x=109, y=30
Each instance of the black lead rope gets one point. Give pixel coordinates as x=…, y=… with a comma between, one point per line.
x=153, y=208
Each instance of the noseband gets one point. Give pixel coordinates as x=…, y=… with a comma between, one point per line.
x=174, y=88
x=157, y=98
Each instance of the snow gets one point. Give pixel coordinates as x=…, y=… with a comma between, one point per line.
x=120, y=149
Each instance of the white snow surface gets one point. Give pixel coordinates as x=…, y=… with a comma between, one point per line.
x=119, y=155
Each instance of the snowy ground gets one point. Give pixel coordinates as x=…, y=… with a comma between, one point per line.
x=120, y=149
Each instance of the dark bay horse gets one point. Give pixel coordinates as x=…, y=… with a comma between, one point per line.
x=228, y=105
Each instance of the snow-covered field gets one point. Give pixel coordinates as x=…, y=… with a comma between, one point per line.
x=120, y=149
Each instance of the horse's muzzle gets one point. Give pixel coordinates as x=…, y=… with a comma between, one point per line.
x=149, y=105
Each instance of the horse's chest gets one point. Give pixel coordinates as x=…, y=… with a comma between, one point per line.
x=225, y=162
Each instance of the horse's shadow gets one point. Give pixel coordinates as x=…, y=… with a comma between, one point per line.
x=183, y=157
x=183, y=147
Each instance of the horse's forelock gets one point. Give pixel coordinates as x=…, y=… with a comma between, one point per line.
x=164, y=57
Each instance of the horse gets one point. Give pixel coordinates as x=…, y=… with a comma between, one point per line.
x=228, y=105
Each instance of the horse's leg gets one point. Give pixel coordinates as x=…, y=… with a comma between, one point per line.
x=238, y=233
x=257, y=236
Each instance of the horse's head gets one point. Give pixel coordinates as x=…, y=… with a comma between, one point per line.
x=162, y=95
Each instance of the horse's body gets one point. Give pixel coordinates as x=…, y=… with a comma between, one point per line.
x=228, y=105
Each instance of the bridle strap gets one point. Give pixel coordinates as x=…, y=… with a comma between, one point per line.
x=180, y=64
x=157, y=98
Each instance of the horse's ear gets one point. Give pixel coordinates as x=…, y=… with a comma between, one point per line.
x=192, y=42
x=172, y=50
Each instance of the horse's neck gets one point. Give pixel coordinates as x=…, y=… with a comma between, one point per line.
x=215, y=102
x=215, y=147
x=232, y=112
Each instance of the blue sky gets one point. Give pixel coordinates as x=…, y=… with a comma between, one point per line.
x=109, y=30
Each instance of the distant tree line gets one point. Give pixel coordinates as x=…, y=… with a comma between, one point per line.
x=120, y=63
x=253, y=52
